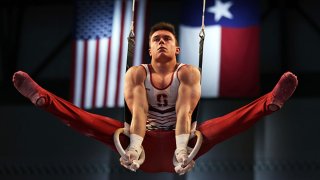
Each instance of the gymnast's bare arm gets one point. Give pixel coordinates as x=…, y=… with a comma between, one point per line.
x=188, y=97
x=136, y=99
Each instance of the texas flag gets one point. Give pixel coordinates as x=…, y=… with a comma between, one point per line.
x=231, y=46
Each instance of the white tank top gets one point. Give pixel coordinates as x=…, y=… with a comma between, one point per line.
x=162, y=102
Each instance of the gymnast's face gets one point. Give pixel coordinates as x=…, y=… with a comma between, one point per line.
x=162, y=44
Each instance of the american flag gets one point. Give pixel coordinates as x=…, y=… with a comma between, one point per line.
x=231, y=45
x=100, y=50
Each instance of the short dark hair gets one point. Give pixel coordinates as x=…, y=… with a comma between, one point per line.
x=164, y=26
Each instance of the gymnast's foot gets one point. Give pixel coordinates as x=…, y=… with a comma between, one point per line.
x=28, y=88
x=283, y=90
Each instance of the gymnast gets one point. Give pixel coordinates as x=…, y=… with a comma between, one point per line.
x=161, y=97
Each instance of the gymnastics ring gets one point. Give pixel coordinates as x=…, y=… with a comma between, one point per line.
x=120, y=149
x=193, y=152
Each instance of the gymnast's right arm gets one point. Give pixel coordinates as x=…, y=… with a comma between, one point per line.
x=136, y=99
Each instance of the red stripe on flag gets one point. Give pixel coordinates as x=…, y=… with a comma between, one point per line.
x=73, y=65
x=96, y=72
x=239, y=73
x=123, y=7
x=107, y=73
x=84, y=69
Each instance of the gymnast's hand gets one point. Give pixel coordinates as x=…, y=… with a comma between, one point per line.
x=183, y=166
x=130, y=159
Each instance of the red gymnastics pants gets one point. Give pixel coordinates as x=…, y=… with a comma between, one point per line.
x=159, y=146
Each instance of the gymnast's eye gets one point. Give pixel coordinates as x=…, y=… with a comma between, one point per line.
x=156, y=39
x=167, y=38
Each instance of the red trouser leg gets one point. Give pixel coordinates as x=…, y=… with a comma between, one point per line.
x=99, y=127
x=159, y=146
x=214, y=131
x=219, y=129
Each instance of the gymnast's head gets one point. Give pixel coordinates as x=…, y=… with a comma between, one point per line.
x=163, y=34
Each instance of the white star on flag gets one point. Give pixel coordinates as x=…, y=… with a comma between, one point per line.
x=221, y=9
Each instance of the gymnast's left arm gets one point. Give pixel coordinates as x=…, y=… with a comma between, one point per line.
x=188, y=97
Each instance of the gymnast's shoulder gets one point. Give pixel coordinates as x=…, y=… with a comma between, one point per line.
x=189, y=73
x=136, y=73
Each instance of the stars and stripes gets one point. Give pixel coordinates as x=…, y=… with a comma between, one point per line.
x=100, y=50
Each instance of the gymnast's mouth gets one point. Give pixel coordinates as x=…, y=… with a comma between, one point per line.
x=162, y=49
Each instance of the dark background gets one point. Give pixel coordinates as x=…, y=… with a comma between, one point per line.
x=36, y=36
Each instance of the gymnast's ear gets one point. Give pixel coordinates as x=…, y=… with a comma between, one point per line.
x=177, y=50
x=149, y=52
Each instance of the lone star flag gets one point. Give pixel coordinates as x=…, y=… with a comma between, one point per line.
x=231, y=46
x=100, y=50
